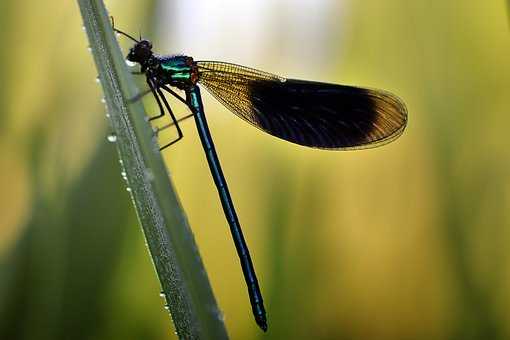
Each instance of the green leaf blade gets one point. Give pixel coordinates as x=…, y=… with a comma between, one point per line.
x=171, y=243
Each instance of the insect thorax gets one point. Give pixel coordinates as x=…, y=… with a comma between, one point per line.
x=179, y=71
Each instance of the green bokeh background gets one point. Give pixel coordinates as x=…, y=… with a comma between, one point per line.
x=408, y=241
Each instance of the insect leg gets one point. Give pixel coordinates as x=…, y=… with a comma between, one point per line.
x=175, y=94
x=174, y=119
x=178, y=121
x=164, y=87
x=153, y=89
x=140, y=95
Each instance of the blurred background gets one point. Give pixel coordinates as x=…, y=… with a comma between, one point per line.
x=406, y=241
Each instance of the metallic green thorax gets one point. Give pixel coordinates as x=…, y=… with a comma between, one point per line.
x=177, y=69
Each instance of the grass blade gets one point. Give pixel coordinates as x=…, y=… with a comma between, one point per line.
x=171, y=244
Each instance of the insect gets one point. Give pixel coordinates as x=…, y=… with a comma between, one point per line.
x=312, y=114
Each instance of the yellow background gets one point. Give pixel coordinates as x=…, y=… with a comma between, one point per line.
x=406, y=241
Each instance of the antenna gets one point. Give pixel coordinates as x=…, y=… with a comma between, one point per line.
x=120, y=32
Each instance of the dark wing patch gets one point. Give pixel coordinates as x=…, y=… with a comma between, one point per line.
x=313, y=114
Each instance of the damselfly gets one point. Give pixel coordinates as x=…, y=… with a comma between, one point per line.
x=313, y=114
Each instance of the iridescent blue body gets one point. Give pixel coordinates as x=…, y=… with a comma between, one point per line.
x=182, y=72
x=228, y=208
x=312, y=114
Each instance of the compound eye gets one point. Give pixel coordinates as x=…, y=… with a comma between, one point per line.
x=146, y=44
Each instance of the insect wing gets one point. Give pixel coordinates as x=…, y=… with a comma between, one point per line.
x=312, y=114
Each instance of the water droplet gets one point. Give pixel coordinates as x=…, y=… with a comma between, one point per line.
x=128, y=189
x=107, y=115
x=130, y=63
x=220, y=315
x=117, y=34
x=98, y=80
x=149, y=175
x=162, y=294
x=103, y=100
x=166, y=307
x=112, y=138
x=84, y=28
